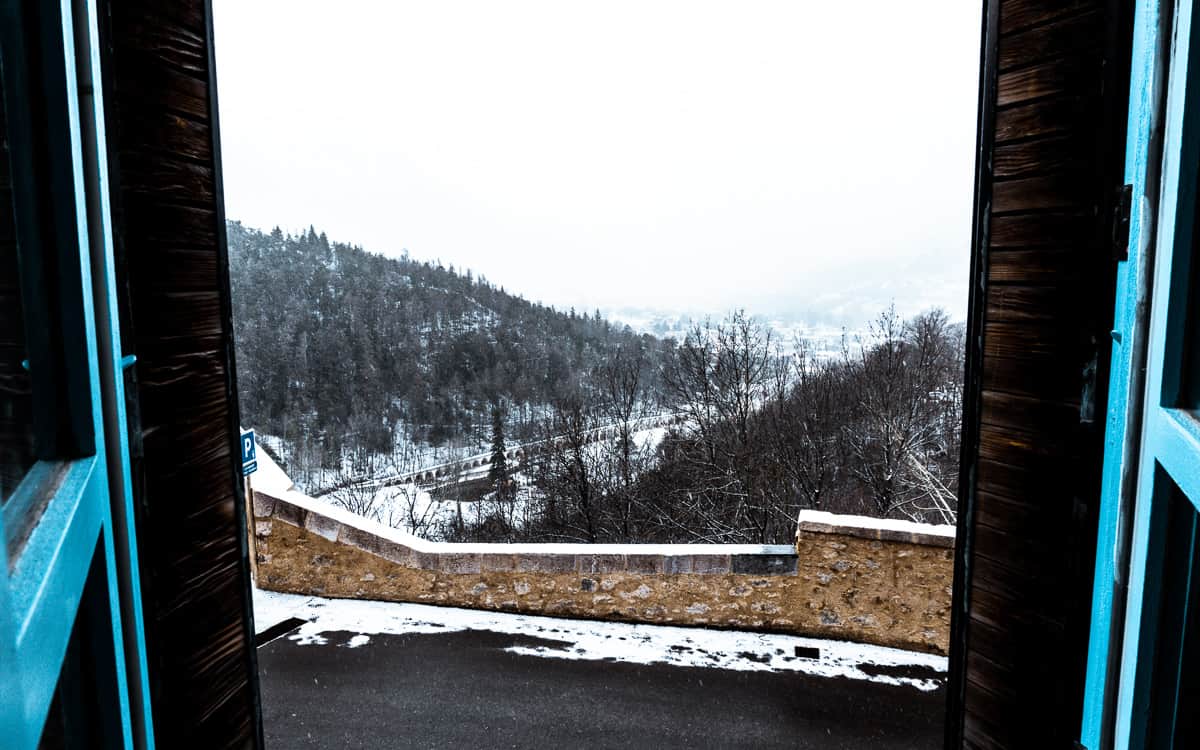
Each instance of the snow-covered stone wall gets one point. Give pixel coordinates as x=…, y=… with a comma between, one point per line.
x=849, y=578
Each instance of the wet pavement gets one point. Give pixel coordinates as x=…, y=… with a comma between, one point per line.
x=464, y=690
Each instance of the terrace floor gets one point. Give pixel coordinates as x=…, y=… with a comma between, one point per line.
x=379, y=675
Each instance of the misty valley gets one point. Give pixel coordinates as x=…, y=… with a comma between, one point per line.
x=432, y=400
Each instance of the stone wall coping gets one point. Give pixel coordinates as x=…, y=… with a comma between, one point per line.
x=809, y=522
x=340, y=515
x=885, y=529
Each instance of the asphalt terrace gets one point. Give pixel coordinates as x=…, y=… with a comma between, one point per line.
x=463, y=690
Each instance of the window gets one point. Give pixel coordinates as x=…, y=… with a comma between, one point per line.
x=1148, y=697
x=69, y=625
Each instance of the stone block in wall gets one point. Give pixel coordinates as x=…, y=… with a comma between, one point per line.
x=288, y=513
x=427, y=560
x=705, y=564
x=495, y=563
x=458, y=563
x=264, y=505
x=711, y=564
x=764, y=565
x=322, y=526
x=548, y=563
x=644, y=563
x=677, y=564
x=600, y=563
x=377, y=545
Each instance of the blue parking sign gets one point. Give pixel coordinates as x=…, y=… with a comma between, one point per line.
x=249, y=453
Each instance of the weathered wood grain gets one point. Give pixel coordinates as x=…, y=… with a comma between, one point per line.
x=1070, y=75
x=1073, y=34
x=997, y=510
x=1053, y=156
x=166, y=182
x=1056, y=116
x=1053, y=267
x=1017, y=15
x=1044, y=229
x=1029, y=414
x=1053, y=192
x=1019, y=303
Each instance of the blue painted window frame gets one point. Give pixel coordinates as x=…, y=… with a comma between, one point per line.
x=1152, y=443
x=77, y=566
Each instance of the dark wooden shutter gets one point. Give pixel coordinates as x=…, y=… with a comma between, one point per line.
x=169, y=220
x=1054, y=90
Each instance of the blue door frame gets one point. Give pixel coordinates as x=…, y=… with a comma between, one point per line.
x=1152, y=444
x=70, y=603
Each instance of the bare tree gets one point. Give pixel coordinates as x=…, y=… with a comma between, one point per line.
x=804, y=418
x=411, y=506
x=355, y=493
x=899, y=420
x=621, y=386
x=761, y=434
x=567, y=469
x=719, y=379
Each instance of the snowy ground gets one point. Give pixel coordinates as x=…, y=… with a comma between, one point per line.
x=412, y=508
x=604, y=641
x=407, y=456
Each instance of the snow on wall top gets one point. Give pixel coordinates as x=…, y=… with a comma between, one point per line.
x=823, y=522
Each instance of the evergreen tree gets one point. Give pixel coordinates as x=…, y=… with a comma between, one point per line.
x=498, y=473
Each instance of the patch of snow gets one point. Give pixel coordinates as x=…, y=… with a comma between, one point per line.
x=867, y=522
x=648, y=440
x=403, y=506
x=602, y=640
x=270, y=478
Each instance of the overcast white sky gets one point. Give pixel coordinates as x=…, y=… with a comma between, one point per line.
x=793, y=156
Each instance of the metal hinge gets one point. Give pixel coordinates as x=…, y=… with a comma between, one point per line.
x=1120, y=227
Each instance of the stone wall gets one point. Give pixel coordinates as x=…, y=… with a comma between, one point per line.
x=847, y=578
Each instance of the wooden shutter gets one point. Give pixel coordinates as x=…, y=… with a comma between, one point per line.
x=1051, y=138
x=169, y=220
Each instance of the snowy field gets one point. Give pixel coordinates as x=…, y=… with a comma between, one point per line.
x=412, y=508
x=356, y=621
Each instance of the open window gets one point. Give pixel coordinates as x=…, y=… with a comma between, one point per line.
x=70, y=609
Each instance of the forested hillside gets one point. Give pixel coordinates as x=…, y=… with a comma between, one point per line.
x=363, y=369
x=341, y=351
